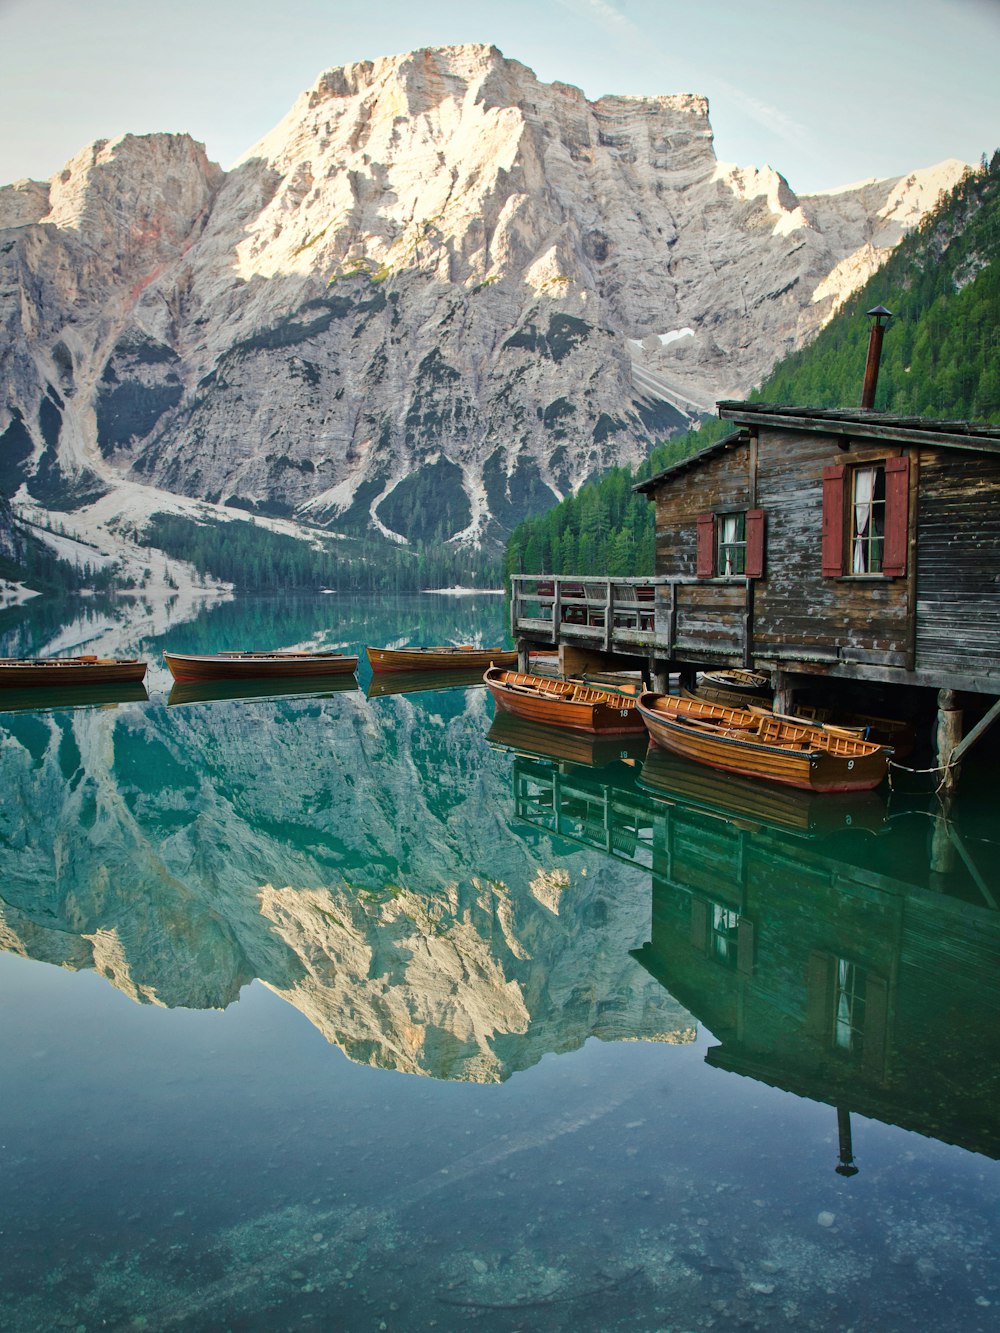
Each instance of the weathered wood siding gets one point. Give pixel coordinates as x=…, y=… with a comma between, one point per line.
x=797, y=609
x=716, y=486
x=958, y=563
x=798, y=614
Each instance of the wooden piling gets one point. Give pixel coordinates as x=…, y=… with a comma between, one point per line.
x=949, y=736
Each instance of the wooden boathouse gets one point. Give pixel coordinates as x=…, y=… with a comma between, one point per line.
x=818, y=546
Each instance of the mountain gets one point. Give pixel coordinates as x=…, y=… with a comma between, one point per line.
x=437, y=297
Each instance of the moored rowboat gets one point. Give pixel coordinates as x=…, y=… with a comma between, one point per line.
x=253, y=666
x=29, y=673
x=760, y=745
x=447, y=657
x=563, y=703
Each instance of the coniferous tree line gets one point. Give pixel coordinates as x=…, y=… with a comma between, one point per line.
x=941, y=358
x=253, y=557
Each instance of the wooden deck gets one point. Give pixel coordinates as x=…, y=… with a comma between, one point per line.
x=680, y=622
x=667, y=618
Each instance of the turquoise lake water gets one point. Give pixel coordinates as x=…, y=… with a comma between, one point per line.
x=329, y=1011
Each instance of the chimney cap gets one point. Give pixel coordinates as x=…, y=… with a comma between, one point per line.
x=880, y=312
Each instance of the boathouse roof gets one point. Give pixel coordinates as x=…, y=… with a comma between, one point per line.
x=851, y=424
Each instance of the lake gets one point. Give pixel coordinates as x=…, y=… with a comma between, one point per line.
x=345, y=1012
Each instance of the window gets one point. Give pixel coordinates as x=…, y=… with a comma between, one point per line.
x=848, y=1007
x=866, y=519
x=731, y=551
x=725, y=934
x=730, y=545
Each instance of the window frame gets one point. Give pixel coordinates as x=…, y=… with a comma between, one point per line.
x=733, y=550
x=866, y=541
x=709, y=543
x=839, y=521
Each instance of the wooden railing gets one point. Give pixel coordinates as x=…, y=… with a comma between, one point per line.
x=664, y=617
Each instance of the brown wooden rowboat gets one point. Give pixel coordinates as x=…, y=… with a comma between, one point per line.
x=900, y=736
x=759, y=745
x=30, y=673
x=563, y=703
x=254, y=666
x=447, y=657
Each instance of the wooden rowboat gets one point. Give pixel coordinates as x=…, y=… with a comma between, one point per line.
x=898, y=735
x=31, y=673
x=563, y=703
x=760, y=745
x=448, y=657
x=253, y=666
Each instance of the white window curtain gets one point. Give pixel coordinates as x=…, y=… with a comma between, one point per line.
x=730, y=531
x=864, y=489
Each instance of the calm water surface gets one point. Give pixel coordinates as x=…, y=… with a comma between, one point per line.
x=346, y=1012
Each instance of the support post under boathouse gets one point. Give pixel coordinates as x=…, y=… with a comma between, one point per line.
x=845, y=554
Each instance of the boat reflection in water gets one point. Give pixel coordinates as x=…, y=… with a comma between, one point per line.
x=577, y=747
x=815, y=939
x=411, y=682
x=217, y=691
x=737, y=799
x=46, y=699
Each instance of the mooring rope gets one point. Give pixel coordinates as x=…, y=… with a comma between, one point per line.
x=943, y=769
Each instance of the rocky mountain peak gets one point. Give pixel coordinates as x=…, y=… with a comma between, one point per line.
x=437, y=296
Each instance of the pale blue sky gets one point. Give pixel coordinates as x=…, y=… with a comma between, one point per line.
x=826, y=92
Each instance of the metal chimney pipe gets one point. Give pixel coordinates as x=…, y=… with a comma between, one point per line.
x=877, y=316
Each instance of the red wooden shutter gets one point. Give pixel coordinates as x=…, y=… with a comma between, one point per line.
x=705, y=559
x=897, y=513
x=755, y=544
x=834, y=482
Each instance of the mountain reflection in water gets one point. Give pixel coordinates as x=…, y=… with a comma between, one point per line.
x=353, y=857
x=441, y=892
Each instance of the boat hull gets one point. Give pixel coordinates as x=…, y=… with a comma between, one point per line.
x=557, y=703
x=444, y=658
x=47, y=672
x=706, y=734
x=258, y=666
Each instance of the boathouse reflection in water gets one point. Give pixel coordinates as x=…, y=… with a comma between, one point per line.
x=812, y=936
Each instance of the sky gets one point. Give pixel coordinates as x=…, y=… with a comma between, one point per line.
x=826, y=92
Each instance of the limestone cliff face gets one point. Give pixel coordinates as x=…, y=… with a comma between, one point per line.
x=437, y=296
x=354, y=856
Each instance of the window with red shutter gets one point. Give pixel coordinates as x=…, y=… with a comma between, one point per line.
x=705, y=553
x=866, y=506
